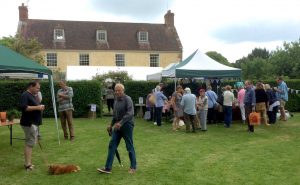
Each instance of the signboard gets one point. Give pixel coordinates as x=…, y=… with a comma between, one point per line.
x=93, y=107
x=141, y=100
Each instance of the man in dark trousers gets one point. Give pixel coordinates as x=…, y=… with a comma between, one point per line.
x=250, y=102
x=31, y=118
x=122, y=127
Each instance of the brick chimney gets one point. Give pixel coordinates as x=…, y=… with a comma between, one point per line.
x=169, y=18
x=23, y=13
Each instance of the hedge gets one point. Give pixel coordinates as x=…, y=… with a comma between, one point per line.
x=85, y=93
x=88, y=92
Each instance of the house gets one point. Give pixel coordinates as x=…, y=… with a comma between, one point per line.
x=88, y=43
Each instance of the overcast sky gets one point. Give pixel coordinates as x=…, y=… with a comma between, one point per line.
x=230, y=27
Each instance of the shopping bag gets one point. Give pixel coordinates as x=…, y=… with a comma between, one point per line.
x=181, y=123
x=254, y=118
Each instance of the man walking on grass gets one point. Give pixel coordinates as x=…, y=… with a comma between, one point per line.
x=121, y=127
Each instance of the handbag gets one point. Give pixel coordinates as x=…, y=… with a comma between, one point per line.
x=147, y=115
x=216, y=106
x=254, y=118
x=152, y=99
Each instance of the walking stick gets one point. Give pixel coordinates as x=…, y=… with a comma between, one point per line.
x=117, y=152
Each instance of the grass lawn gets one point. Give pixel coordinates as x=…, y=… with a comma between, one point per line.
x=219, y=156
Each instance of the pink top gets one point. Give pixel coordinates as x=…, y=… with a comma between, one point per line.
x=241, y=95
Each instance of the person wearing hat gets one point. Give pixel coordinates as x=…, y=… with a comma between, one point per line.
x=189, y=105
x=203, y=107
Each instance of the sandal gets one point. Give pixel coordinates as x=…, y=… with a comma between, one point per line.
x=29, y=167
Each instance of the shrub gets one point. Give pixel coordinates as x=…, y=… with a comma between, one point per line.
x=13, y=113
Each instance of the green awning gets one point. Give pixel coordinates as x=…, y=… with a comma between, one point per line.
x=13, y=62
x=200, y=65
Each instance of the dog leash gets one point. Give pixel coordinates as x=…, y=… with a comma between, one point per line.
x=44, y=157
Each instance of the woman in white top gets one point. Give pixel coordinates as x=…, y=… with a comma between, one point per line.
x=227, y=105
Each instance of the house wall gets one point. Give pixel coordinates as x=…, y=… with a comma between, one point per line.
x=107, y=58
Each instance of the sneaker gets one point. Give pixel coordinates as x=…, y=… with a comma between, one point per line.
x=131, y=171
x=155, y=123
x=29, y=167
x=104, y=170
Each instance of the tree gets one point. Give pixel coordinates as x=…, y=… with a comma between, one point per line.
x=256, y=69
x=262, y=64
x=115, y=76
x=286, y=60
x=218, y=57
x=259, y=53
x=27, y=47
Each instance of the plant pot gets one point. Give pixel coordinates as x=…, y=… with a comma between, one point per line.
x=3, y=117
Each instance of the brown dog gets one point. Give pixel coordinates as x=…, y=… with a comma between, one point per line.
x=58, y=169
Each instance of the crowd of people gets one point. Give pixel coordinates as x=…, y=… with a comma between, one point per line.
x=209, y=107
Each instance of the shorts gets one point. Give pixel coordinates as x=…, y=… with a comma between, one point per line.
x=31, y=134
x=282, y=104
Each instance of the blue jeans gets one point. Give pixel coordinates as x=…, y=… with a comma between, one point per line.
x=125, y=132
x=227, y=115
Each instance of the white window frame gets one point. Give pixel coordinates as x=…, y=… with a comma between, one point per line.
x=51, y=59
x=84, y=59
x=59, y=34
x=98, y=33
x=120, y=59
x=143, y=36
x=154, y=60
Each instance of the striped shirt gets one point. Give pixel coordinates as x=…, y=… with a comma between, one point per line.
x=65, y=103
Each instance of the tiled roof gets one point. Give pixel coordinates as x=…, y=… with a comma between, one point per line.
x=81, y=35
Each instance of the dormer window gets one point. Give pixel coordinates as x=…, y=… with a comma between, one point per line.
x=101, y=35
x=143, y=36
x=59, y=34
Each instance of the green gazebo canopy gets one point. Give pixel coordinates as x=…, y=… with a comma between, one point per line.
x=13, y=62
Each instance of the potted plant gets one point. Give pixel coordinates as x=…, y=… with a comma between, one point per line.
x=12, y=114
